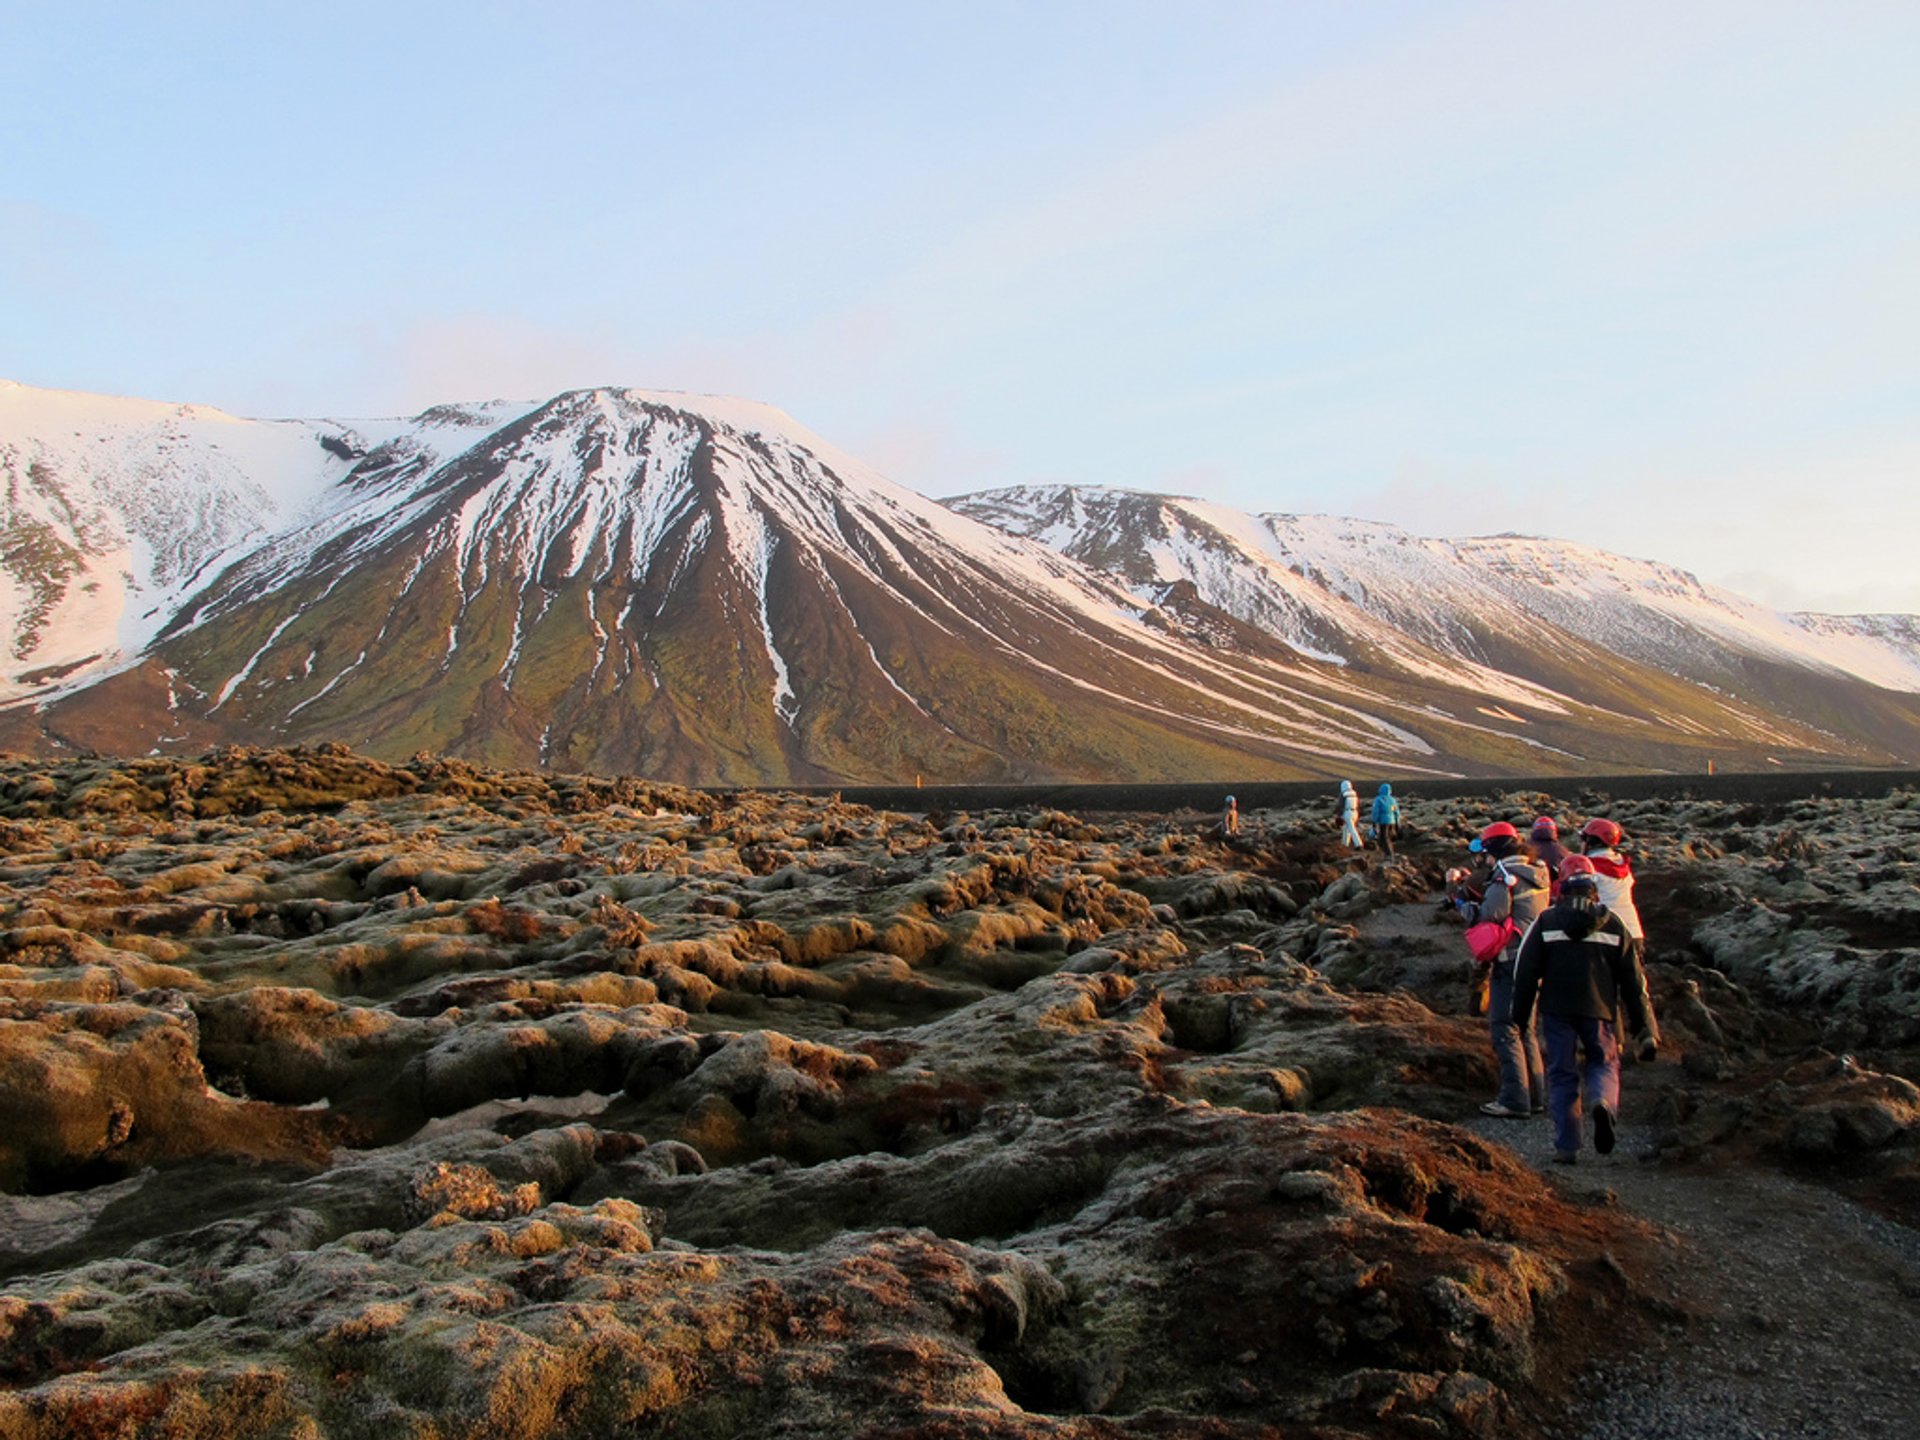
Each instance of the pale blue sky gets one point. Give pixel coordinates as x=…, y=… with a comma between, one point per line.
x=1646, y=276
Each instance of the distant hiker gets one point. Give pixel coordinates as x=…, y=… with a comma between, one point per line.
x=1581, y=966
x=1230, y=818
x=1543, y=840
x=1386, y=818
x=1349, y=816
x=1514, y=894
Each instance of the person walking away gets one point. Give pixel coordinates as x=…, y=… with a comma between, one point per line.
x=1543, y=842
x=1613, y=875
x=1230, y=819
x=1578, y=966
x=1516, y=890
x=1349, y=816
x=1386, y=818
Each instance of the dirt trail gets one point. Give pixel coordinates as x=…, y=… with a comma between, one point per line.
x=1796, y=1310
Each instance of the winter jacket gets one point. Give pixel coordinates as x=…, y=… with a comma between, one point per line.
x=1615, y=875
x=1582, y=962
x=1516, y=889
x=1386, y=809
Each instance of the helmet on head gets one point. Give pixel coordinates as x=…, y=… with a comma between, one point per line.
x=1605, y=831
x=1577, y=872
x=1579, y=894
x=1496, y=839
x=1229, y=799
x=1545, y=829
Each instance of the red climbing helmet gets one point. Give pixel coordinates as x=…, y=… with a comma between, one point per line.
x=1605, y=831
x=1577, y=874
x=1497, y=837
x=1545, y=829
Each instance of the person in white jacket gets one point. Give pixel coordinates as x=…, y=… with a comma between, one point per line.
x=1350, y=816
x=1613, y=872
x=1613, y=880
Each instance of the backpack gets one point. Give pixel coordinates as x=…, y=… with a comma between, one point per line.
x=1526, y=901
x=1486, y=940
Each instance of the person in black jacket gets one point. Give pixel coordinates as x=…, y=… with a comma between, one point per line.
x=1578, y=961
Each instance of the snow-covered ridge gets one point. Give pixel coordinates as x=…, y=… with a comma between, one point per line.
x=1882, y=648
x=1329, y=585
x=118, y=510
x=593, y=481
x=624, y=492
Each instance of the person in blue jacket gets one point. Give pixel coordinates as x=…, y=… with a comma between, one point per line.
x=1386, y=818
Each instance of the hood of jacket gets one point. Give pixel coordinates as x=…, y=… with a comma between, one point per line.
x=1530, y=874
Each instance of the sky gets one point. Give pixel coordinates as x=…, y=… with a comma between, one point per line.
x=1645, y=276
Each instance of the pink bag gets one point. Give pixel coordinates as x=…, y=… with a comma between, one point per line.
x=1487, y=939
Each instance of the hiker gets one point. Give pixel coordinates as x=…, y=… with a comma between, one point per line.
x=1613, y=874
x=1349, y=816
x=1543, y=842
x=1230, y=819
x=1580, y=966
x=1514, y=894
x=1386, y=818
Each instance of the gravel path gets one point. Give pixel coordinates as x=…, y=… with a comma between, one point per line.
x=1807, y=1306
x=1803, y=1309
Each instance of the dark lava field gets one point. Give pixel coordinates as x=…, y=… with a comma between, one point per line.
x=346, y=1099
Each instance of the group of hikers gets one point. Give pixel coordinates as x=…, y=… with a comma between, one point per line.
x=1383, y=820
x=1559, y=952
x=1557, y=936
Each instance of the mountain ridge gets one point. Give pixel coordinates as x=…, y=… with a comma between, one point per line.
x=699, y=588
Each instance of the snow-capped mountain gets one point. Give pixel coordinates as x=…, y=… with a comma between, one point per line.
x=1501, y=609
x=620, y=579
x=114, y=511
x=697, y=588
x=1339, y=586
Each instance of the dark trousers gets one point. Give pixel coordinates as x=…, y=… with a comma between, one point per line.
x=1583, y=1070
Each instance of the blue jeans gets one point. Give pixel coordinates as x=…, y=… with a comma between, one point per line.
x=1523, y=1081
x=1573, y=1041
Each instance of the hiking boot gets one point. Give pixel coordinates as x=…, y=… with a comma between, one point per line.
x=1566, y=1157
x=1503, y=1112
x=1603, y=1131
